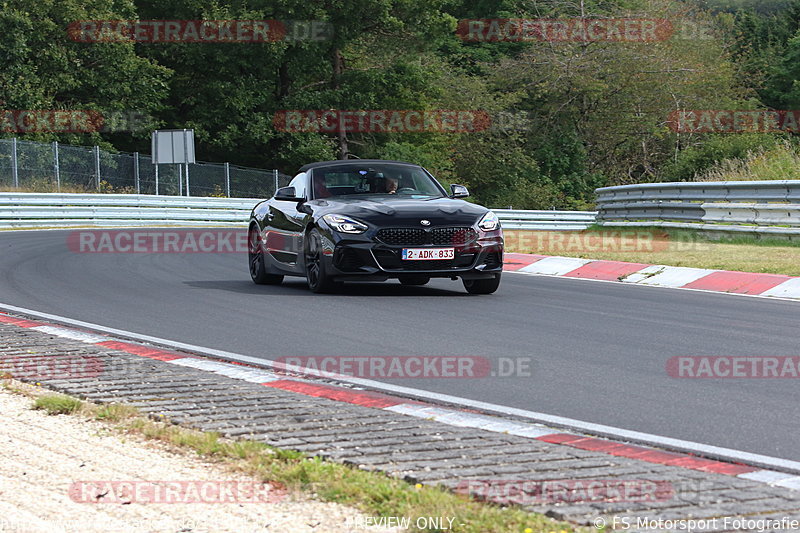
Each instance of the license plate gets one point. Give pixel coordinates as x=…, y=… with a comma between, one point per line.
x=428, y=254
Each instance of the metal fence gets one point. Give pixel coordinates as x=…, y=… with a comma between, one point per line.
x=754, y=207
x=54, y=167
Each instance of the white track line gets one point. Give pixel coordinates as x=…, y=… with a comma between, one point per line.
x=71, y=334
x=244, y=373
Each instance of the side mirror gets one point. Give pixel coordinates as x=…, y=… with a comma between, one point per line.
x=288, y=194
x=458, y=191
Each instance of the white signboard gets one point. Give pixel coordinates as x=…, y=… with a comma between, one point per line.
x=173, y=146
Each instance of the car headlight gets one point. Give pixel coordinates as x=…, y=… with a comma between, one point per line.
x=344, y=224
x=489, y=222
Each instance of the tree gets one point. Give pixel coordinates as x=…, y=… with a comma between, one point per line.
x=41, y=68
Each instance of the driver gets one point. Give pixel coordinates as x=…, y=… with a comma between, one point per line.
x=380, y=183
x=320, y=189
x=385, y=185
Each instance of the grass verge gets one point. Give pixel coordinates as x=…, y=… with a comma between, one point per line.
x=57, y=404
x=663, y=247
x=374, y=493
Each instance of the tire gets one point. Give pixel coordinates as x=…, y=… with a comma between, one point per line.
x=482, y=286
x=319, y=281
x=255, y=256
x=415, y=280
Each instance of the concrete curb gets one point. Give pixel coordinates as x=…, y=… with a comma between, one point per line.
x=723, y=281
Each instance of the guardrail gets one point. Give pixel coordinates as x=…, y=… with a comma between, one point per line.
x=71, y=210
x=768, y=207
x=749, y=207
x=545, y=220
x=787, y=191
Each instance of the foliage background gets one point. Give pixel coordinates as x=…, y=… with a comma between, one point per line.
x=579, y=115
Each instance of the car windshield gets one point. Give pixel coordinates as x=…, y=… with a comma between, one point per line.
x=374, y=178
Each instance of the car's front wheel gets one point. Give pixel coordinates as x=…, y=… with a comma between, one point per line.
x=482, y=286
x=319, y=280
x=258, y=268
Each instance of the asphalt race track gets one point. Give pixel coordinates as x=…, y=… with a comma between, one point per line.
x=599, y=350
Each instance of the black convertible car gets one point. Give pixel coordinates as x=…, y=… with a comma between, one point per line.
x=373, y=220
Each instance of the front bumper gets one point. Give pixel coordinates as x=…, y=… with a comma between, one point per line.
x=365, y=257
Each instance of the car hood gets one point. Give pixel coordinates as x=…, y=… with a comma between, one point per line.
x=399, y=211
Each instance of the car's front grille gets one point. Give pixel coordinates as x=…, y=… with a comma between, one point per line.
x=453, y=236
x=448, y=236
x=403, y=236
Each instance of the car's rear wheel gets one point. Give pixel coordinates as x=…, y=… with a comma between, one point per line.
x=258, y=268
x=319, y=280
x=414, y=280
x=482, y=286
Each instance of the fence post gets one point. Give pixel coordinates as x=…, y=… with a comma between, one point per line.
x=14, y=169
x=228, y=179
x=56, y=168
x=136, y=172
x=186, y=157
x=275, y=173
x=155, y=166
x=97, y=167
x=180, y=179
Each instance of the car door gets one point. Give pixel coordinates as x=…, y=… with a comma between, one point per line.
x=284, y=228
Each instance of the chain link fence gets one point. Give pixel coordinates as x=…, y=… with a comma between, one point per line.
x=42, y=167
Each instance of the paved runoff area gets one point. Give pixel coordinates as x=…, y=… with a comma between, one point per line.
x=578, y=478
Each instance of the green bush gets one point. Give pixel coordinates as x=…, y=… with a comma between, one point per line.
x=698, y=159
x=781, y=162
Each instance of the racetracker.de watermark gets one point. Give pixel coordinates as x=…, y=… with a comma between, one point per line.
x=73, y=121
x=526, y=492
x=199, y=31
x=734, y=121
x=734, y=367
x=561, y=242
x=44, y=367
x=157, y=241
x=381, y=121
x=179, y=241
x=180, y=492
x=37, y=368
x=575, y=30
x=408, y=367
